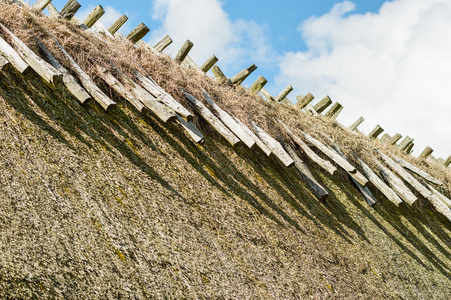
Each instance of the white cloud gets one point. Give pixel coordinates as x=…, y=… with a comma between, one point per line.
x=392, y=67
x=209, y=27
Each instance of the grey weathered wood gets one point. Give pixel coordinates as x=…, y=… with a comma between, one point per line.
x=334, y=111
x=257, y=140
x=118, y=24
x=183, y=52
x=322, y=105
x=230, y=122
x=69, y=9
x=394, y=139
x=241, y=76
x=405, y=143
x=69, y=81
x=356, y=123
x=379, y=184
x=313, y=185
x=303, y=101
x=310, y=109
x=100, y=28
x=213, y=120
x=53, y=12
x=219, y=75
x=283, y=94
x=138, y=33
x=442, y=197
x=190, y=64
x=43, y=68
x=163, y=44
x=267, y=95
x=258, y=85
x=209, y=63
x=94, y=16
x=409, y=148
x=406, y=176
x=440, y=206
x=3, y=62
x=13, y=57
x=375, y=132
x=273, y=144
x=287, y=101
x=142, y=44
x=87, y=82
x=385, y=138
x=417, y=171
x=356, y=176
x=158, y=92
x=447, y=161
x=426, y=152
x=40, y=5
x=326, y=165
x=397, y=184
x=192, y=130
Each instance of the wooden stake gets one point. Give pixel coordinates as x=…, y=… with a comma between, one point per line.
x=257, y=140
x=163, y=44
x=4, y=63
x=440, y=195
x=397, y=185
x=183, y=52
x=258, y=85
x=426, y=152
x=190, y=64
x=53, y=12
x=283, y=94
x=192, y=130
x=394, y=139
x=334, y=111
x=356, y=176
x=405, y=143
x=118, y=24
x=209, y=63
x=241, y=76
x=375, y=132
x=138, y=33
x=447, y=161
x=94, y=16
x=417, y=171
x=356, y=124
x=40, y=5
x=385, y=138
x=13, y=57
x=267, y=95
x=322, y=105
x=220, y=77
x=69, y=9
x=303, y=101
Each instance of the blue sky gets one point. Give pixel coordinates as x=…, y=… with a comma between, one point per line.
x=387, y=61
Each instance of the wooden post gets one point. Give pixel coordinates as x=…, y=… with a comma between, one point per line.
x=163, y=44
x=385, y=138
x=53, y=12
x=447, y=162
x=258, y=85
x=356, y=124
x=397, y=184
x=283, y=94
x=394, y=139
x=69, y=9
x=267, y=95
x=409, y=148
x=13, y=57
x=118, y=24
x=209, y=63
x=241, y=76
x=426, y=152
x=405, y=143
x=4, y=63
x=94, y=16
x=334, y=111
x=192, y=130
x=375, y=132
x=138, y=33
x=189, y=63
x=303, y=101
x=356, y=176
x=220, y=77
x=39, y=5
x=183, y=52
x=322, y=105
x=257, y=140
x=417, y=171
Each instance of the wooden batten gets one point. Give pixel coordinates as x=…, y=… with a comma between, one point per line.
x=385, y=138
x=43, y=68
x=138, y=33
x=357, y=176
x=219, y=75
x=4, y=63
x=241, y=76
x=397, y=184
x=257, y=140
x=69, y=81
x=417, y=171
x=304, y=100
x=447, y=162
x=87, y=82
x=94, y=16
x=311, y=110
x=334, y=111
x=117, y=24
x=275, y=147
x=53, y=12
x=375, y=132
x=190, y=64
x=142, y=44
x=258, y=85
x=69, y=9
x=230, y=122
x=426, y=153
x=394, y=139
x=440, y=206
x=354, y=126
x=158, y=92
x=442, y=197
x=163, y=44
x=40, y=5
x=191, y=129
x=183, y=52
x=405, y=143
x=283, y=94
x=313, y=185
x=267, y=95
x=213, y=120
x=326, y=165
x=209, y=63
x=13, y=57
x=322, y=105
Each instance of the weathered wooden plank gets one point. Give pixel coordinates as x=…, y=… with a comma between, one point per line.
x=117, y=24
x=230, y=122
x=142, y=44
x=53, y=12
x=417, y=171
x=138, y=33
x=356, y=124
x=69, y=81
x=3, y=62
x=442, y=197
x=191, y=129
x=283, y=94
x=257, y=140
x=378, y=183
x=183, y=52
x=190, y=64
x=310, y=109
x=13, y=57
x=242, y=75
x=409, y=148
x=87, y=82
x=267, y=95
x=258, y=85
x=426, y=152
x=275, y=147
x=44, y=69
x=209, y=63
x=100, y=28
x=397, y=184
x=158, y=92
x=440, y=206
x=447, y=162
x=405, y=143
x=313, y=185
x=163, y=44
x=326, y=165
x=334, y=111
x=213, y=120
x=40, y=5
x=94, y=16
x=357, y=176
x=304, y=100
x=69, y=9
x=394, y=139
x=385, y=138
x=219, y=75
x=375, y=132
x=323, y=104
